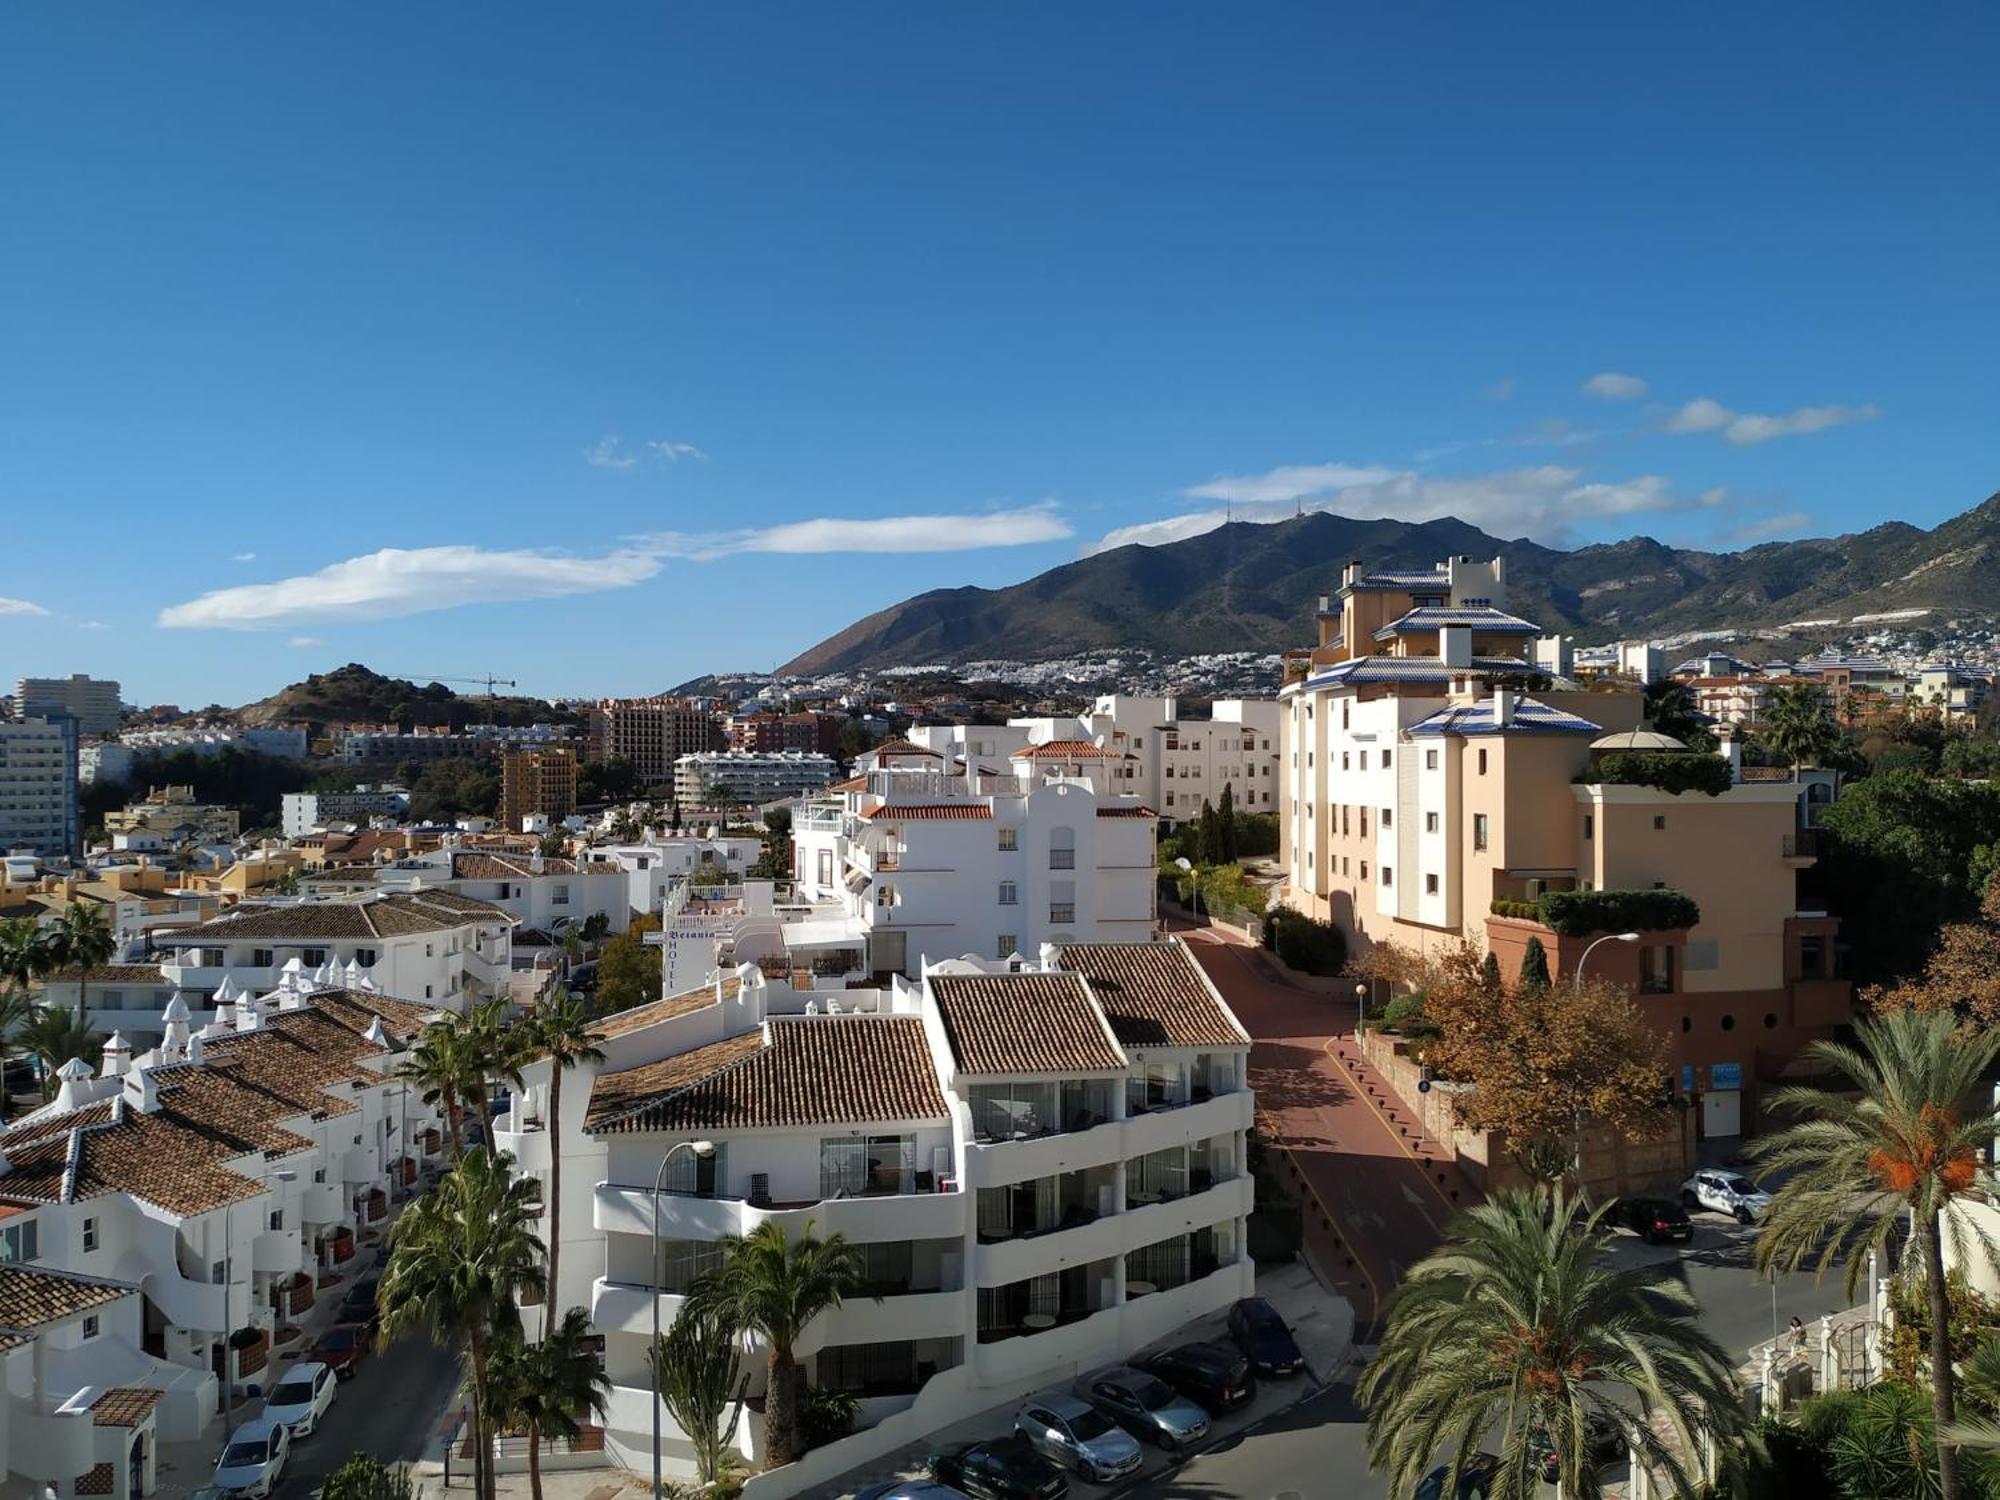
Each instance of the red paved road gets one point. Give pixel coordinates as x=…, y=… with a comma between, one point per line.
x=1378, y=1193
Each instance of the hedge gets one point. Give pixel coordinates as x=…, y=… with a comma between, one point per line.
x=1575, y=913
x=1303, y=944
x=1663, y=770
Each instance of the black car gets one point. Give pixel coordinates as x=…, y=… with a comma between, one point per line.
x=1476, y=1478
x=358, y=1306
x=1006, y=1468
x=1658, y=1221
x=1262, y=1335
x=1603, y=1440
x=1216, y=1376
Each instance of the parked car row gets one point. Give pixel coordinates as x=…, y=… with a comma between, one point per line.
x=1096, y=1429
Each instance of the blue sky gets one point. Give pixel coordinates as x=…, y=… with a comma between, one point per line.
x=596, y=346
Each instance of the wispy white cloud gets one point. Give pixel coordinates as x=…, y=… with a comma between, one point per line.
x=242, y=557
x=1553, y=432
x=1287, y=482
x=408, y=581
x=1609, y=385
x=1742, y=429
x=304, y=642
x=91, y=625
x=674, y=451
x=1543, y=501
x=1765, y=528
x=20, y=607
x=605, y=453
x=939, y=533
x=1501, y=390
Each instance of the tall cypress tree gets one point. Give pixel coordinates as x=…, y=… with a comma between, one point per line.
x=1535, y=965
x=1225, y=819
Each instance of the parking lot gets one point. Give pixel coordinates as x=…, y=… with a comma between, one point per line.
x=1323, y=1326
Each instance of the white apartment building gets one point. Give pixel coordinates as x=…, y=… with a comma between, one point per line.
x=660, y=860
x=431, y=947
x=1043, y=1164
x=918, y=859
x=38, y=812
x=542, y=895
x=302, y=813
x=91, y=701
x=750, y=776
x=285, y=741
x=162, y=1217
x=104, y=760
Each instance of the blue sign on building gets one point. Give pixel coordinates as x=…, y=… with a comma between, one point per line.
x=1687, y=1078
x=1725, y=1075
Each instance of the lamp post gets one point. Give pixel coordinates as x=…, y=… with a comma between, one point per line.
x=1609, y=937
x=1360, y=1009
x=1194, y=885
x=704, y=1150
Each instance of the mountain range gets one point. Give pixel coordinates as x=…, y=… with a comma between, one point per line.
x=1253, y=587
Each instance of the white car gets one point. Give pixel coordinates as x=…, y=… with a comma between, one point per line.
x=1726, y=1193
x=253, y=1458
x=301, y=1398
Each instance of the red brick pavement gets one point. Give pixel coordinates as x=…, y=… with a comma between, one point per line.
x=1377, y=1191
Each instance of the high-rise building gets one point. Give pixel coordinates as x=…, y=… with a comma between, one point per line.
x=732, y=777
x=38, y=811
x=537, y=782
x=651, y=733
x=91, y=701
x=808, y=731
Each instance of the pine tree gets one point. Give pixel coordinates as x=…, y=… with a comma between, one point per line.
x=1535, y=965
x=1489, y=972
x=1225, y=820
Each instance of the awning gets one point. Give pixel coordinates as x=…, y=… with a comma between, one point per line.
x=824, y=932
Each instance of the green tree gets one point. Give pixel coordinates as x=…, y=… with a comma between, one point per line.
x=613, y=779
x=695, y=1364
x=1798, y=723
x=1517, y=1327
x=559, y=1030
x=366, y=1477
x=545, y=1389
x=1208, y=835
x=1671, y=708
x=458, y=1257
x=774, y=861
x=454, y=1062
x=54, y=1037
x=1489, y=973
x=26, y=955
x=1534, y=965
x=1225, y=827
x=773, y=1287
x=554, y=844
x=81, y=940
x=628, y=971
x=594, y=927
x=1907, y=1136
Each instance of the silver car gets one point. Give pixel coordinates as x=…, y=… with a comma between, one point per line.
x=1145, y=1406
x=1069, y=1431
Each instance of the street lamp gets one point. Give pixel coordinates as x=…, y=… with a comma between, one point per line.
x=1194, y=885
x=1360, y=1009
x=1609, y=937
x=704, y=1150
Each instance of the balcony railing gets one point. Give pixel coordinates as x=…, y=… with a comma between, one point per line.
x=1802, y=845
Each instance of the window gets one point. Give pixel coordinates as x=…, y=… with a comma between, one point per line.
x=1170, y=799
x=430, y=950
x=20, y=1242
x=859, y=1166
x=1430, y=885
x=1660, y=822
x=89, y=1235
x=1364, y=869
x=1364, y=760
x=1010, y=840
x=1386, y=816
x=1006, y=945
x=319, y=1174
x=1703, y=953
x=1430, y=822
x=277, y=1219
x=561, y=896
x=1385, y=760
x=1062, y=848
x=1482, y=761
x=885, y=895
x=312, y=958
x=1346, y=761
x=1343, y=820
x=1479, y=830
x=366, y=957
x=90, y=1325
x=1430, y=760
x=260, y=958
x=427, y=992
x=1010, y=893
x=1656, y=970
x=1062, y=914
x=1344, y=708
x=1589, y=826
x=1388, y=876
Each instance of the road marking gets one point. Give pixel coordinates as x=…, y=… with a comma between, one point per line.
x=1361, y=1093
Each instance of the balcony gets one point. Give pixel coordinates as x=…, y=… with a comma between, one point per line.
x=1001, y=1262
x=320, y=1203
x=278, y=1251
x=625, y=1209
x=361, y=1164
x=1183, y=1124
x=1801, y=850
x=628, y=1307
x=1147, y=1223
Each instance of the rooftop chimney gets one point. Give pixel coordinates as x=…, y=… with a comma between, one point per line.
x=376, y=1035
x=1049, y=954
x=1503, y=706
x=141, y=1093
x=1455, y=645
x=117, y=1057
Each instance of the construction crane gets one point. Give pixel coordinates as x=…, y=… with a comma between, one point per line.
x=489, y=682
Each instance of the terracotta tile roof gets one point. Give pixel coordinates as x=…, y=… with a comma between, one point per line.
x=852, y=784
x=110, y=974
x=32, y=1296
x=1154, y=995
x=481, y=865
x=1024, y=1023
x=1068, y=750
x=822, y=1070
x=1126, y=812
x=639, y=1017
x=124, y=1406
x=901, y=747
x=302, y=1063
x=935, y=812
x=394, y=915
x=96, y=1481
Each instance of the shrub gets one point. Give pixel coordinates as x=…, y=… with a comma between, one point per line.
x=1256, y=833
x=1663, y=770
x=1575, y=913
x=1308, y=946
x=826, y=1415
x=1527, y=911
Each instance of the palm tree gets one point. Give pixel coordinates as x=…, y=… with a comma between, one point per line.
x=25, y=953
x=1797, y=723
x=694, y=1365
x=455, y=1061
x=772, y=1287
x=1913, y=1142
x=458, y=1257
x=559, y=1027
x=55, y=1037
x=17, y=1012
x=82, y=940
x=1514, y=1328
x=546, y=1389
